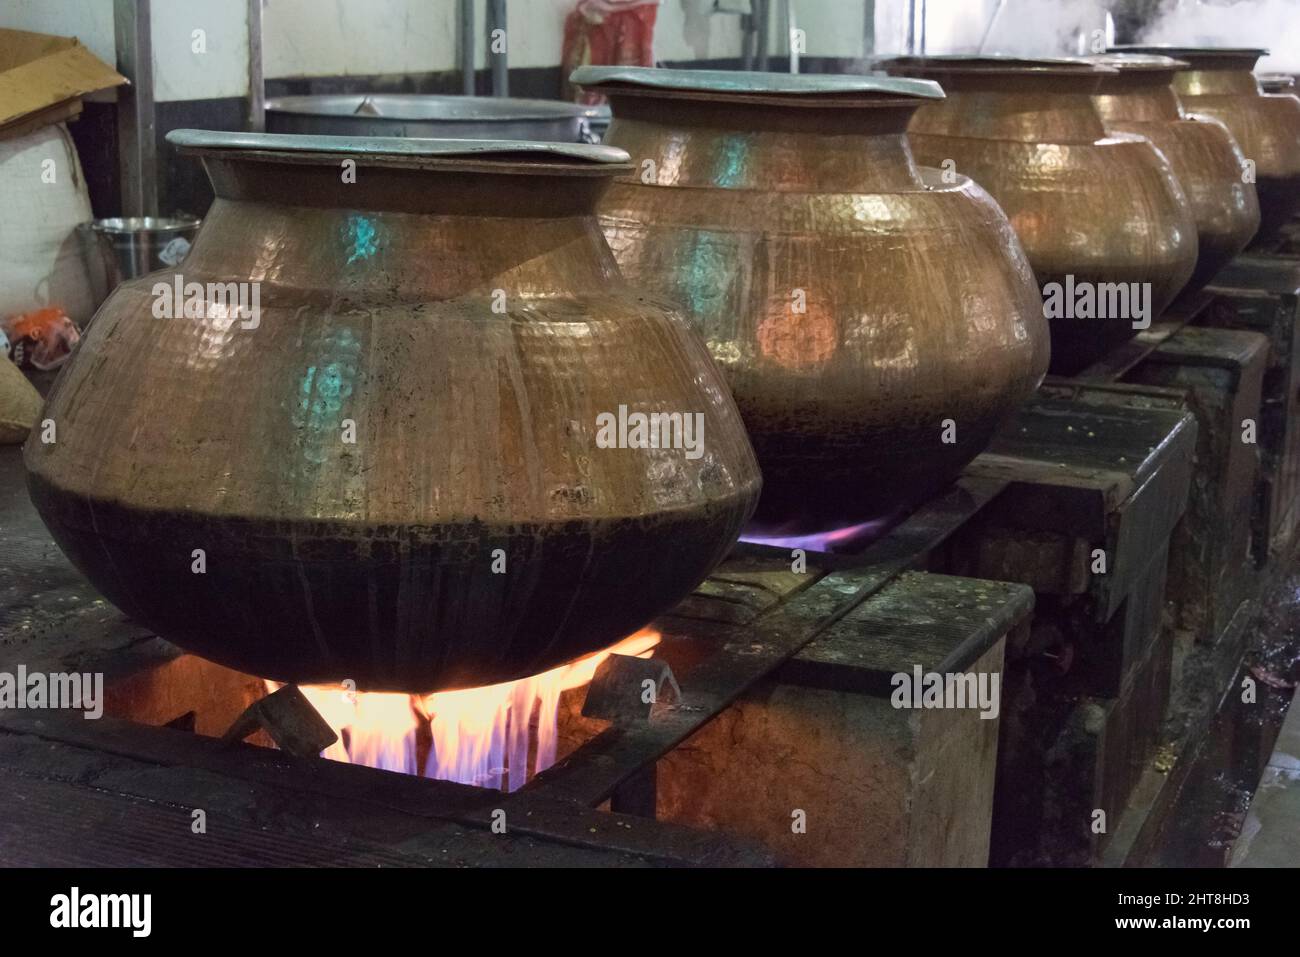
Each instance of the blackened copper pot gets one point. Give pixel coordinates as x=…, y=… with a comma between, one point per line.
x=875, y=321
x=1204, y=156
x=396, y=474
x=1090, y=207
x=1219, y=82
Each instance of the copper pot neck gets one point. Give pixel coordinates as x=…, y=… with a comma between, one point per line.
x=1141, y=100
x=460, y=189
x=1026, y=117
x=764, y=143
x=1196, y=82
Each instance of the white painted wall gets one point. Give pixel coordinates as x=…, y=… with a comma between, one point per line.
x=348, y=37
x=200, y=49
x=832, y=28
x=180, y=73
x=90, y=21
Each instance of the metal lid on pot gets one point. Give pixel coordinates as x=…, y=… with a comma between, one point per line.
x=398, y=150
x=740, y=82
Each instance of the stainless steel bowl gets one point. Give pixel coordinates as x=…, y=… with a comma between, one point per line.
x=126, y=247
x=420, y=115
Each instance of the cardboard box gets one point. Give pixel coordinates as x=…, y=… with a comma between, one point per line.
x=43, y=77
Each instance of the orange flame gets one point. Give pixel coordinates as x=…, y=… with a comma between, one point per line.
x=480, y=736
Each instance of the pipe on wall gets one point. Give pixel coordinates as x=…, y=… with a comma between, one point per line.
x=256, y=74
x=499, y=61
x=467, y=47
x=137, y=145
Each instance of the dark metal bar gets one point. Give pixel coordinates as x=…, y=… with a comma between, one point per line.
x=499, y=61
x=467, y=47
x=256, y=75
x=763, y=18
x=136, y=115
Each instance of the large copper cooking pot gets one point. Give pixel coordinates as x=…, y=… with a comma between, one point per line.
x=875, y=321
x=397, y=473
x=1090, y=207
x=1218, y=82
x=1206, y=160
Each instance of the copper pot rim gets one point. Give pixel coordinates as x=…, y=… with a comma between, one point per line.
x=792, y=89
x=467, y=155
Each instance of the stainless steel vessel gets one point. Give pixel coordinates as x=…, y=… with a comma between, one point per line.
x=423, y=115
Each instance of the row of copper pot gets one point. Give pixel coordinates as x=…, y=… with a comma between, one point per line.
x=470, y=313
x=1125, y=167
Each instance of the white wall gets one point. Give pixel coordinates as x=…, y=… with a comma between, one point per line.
x=90, y=21
x=180, y=73
x=348, y=37
x=833, y=28
x=343, y=37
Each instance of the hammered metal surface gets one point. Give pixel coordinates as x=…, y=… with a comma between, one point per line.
x=1219, y=83
x=475, y=430
x=1099, y=207
x=855, y=304
x=1204, y=156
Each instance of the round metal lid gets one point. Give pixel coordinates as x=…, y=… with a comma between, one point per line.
x=378, y=147
x=419, y=106
x=993, y=64
x=751, y=83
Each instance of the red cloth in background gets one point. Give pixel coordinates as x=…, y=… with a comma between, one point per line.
x=39, y=340
x=607, y=32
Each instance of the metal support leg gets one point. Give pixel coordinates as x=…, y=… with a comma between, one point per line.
x=136, y=117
